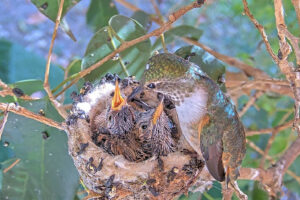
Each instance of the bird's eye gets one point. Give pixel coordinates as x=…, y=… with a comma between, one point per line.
x=151, y=85
x=125, y=119
x=109, y=118
x=144, y=127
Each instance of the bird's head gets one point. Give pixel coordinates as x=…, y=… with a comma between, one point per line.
x=149, y=120
x=165, y=66
x=120, y=116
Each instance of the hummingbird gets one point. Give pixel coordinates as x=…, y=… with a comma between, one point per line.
x=207, y=117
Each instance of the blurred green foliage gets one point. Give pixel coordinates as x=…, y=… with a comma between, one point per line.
x=47, y=172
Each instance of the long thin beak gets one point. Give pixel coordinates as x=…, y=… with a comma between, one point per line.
x=158, y=112
x=118, y=101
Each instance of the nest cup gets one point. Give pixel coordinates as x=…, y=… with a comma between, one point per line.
x=112, y=176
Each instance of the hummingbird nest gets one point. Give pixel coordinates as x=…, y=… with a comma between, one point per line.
x=130, y=148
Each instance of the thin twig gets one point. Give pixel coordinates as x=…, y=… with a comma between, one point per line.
x=65, y=77
x=11, y=166
x=281, y=127
x=296, y=4
x=257, y=149
x=162, y=37
x=226, y=191
x=261, y=30
x=266, y=151
x=166, y=26
x=250, y=102
x=248, y=69
x=26, y=113
x=251, y=83
x=55, y=103
x=271, y=140
x=236, y=86
x=9, y=92
x=156, y=8
x=293, y=175
x=111, y=34
x=4, y=120
x=159, y=15
x=294, y=42
x=135, y=9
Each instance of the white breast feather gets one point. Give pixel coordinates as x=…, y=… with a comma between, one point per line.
x=190, y=112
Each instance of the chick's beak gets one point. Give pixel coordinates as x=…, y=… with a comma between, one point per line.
x=118, y=101
x=158, y=112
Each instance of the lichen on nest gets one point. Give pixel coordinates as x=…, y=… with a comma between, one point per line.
x=146, y=159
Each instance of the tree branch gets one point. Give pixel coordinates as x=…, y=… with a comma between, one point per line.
x=26, y=113
x=270, y=130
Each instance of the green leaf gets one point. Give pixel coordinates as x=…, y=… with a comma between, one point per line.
x=74, y=67
x=179, y=31
x=17, y=64
x=1, y=178
x=99, y=13
x=5, y=152
x=45, y=170
x=280, y=143
x=29, y=86
x=134, y=58
x=143, y=18
x=191, y=196
x=50, y=7
x=258, y=192
x=208, y=63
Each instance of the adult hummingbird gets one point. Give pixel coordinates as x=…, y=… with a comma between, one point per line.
x=208, y=120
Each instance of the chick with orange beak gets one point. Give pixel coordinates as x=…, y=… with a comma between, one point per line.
x=155, y=131
x=120, y=116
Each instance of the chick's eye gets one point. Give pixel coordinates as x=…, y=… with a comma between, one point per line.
x=109, y=118
x=144, y=127
x=151, y=85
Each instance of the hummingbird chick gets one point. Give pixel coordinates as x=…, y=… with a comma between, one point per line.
x=128, y=145
x=155, y=131
x=120, y=116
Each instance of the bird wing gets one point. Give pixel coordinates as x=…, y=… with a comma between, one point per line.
x=213, y=158
x=212, y=150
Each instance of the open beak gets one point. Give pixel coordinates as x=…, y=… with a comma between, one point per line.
x=158, y=112
x=117, y=101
